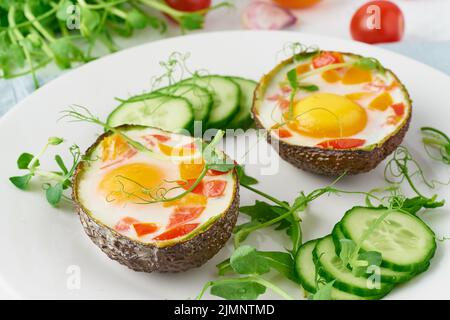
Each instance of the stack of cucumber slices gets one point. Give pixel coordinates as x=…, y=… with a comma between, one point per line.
x=405, y=242
x=217, y=102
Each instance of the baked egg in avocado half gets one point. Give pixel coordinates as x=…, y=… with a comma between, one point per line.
x=130, y=206
x=332, y=113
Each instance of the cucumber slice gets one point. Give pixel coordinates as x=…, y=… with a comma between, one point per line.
x=154, y=110
x=332, y=268
x=226, y=95
x=304, y=266
x=306, y=271
x=405, y=242
x=243, y=119
x=387, y=275
x=200, y=98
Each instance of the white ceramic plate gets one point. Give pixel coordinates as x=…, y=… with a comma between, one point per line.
x=42, y=247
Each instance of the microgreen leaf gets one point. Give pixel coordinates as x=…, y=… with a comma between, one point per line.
x=90, y=19
x=61, y=164
x=282, y=262
x=262, y=212
x=347, y=250
x=245, y=179
x=192, y=21
x=136, y=19
x=292, y=78
x=414, y=205
x=54, y=194
x=24, y=161
x=369, y=64
x=238, y=290
x=21, y=182
x=63, y=11
x=54, y=141
x=365, y=260
x=245, y=260
x=324, y=293
x=309, y=87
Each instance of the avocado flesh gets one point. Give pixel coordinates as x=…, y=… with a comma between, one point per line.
x=176, y=255
x=330, y=162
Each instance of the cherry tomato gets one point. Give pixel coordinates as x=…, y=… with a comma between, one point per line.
x=189, y=5
x=296, y=4
x=377, y=22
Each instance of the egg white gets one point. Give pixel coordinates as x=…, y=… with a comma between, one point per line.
x=376, y=130
x=109, y=213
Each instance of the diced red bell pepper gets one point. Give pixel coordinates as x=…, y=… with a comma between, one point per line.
x=186, y=185
x=399, y=108
x=214, y=188
x=125, y=223
x=143, y=229
x=342, y=144
x=326, y=58
x=183, y=215
x=177, y=232
x=283, y=133
x=213, y=173
x=160, y=137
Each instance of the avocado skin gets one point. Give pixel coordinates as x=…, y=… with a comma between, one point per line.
x=334, y=163
x=146, y=257
x=329, y=162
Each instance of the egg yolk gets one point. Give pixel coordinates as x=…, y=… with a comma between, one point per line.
x=328, y=115
x=129, y=183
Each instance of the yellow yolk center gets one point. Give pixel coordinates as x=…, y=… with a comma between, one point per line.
x=328, y=115
x=129, y=183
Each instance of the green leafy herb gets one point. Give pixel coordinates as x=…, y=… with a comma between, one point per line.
x=293, y=79
x=21, y=182
x=238, y=290
x=309, y=87
x=324, y=292
x=414, y=205
x=54, y=193
x=34, y=33
x=55, y=182
x=245, y=179
x=24, y=161
x=244, y=288
x=246, y=260
x=369, y=64
x=282, y=262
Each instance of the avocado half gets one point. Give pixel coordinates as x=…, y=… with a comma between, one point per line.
x=170, y=256
x=329, y=162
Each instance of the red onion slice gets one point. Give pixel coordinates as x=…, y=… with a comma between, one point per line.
x=267, y=16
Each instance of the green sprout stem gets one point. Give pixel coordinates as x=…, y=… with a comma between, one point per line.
x=265, y=195
x=324, y=69
x=17, y=37
x=35, y=22
x=436, y=131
